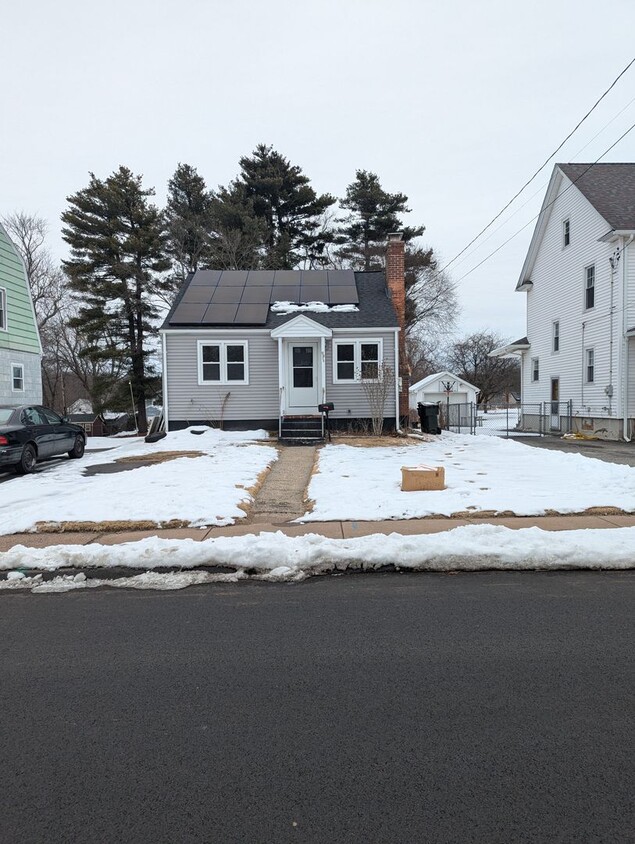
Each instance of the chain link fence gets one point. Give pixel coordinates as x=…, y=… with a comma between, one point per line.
x=508, y=420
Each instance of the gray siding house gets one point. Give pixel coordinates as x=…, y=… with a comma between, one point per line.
x=249, y=349
x=20, y=349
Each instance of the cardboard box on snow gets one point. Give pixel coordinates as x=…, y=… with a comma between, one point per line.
x=418, y=478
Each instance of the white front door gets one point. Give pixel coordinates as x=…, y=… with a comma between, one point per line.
x=302, y=377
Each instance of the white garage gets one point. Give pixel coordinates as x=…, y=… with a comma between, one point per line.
x=433, y=389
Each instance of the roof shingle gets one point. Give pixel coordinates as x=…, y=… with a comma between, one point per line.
x=610, y=188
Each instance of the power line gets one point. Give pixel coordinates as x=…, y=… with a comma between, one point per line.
x=542, y=166
x=498, y=248
x=544, y=185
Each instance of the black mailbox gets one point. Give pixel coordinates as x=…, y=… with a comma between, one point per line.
x=326, y=407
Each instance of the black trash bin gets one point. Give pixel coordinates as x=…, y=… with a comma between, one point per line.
x=429, y=417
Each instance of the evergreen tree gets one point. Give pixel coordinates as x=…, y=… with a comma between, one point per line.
x=188, y=220
x=281, y=197
x=374, y=214
x=239, y=237
x=117, y=242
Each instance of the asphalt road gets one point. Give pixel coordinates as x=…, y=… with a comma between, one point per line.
x=371, y=708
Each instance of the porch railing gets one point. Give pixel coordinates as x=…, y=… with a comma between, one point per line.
x=280, y=409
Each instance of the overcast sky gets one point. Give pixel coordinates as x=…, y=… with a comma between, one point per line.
x=453, y=102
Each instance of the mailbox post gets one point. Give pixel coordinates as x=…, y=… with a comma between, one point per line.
x=325, y=409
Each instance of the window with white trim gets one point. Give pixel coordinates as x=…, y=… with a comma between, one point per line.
x=556, y=336
x=356, y=360
x=566, y=232
x=17, y=377
x=3, y=309
x=589, y=287
x=223, y=362
x=535, y=369
x=590, y=366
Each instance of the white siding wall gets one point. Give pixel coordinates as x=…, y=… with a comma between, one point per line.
x=558, y=294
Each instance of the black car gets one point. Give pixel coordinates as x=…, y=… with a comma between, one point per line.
x=31, y=433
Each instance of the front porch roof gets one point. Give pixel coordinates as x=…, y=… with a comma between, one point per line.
x=518, y=346
x=301, y=326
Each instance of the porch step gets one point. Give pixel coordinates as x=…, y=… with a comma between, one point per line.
x=305, y=429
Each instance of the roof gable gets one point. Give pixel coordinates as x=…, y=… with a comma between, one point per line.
x=446, y=375
x=301, y=326
x=609, y=188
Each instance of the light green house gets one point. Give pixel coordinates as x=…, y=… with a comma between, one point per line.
x=20, y=347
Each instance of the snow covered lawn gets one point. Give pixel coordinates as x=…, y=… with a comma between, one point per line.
x=481, y=473
x=276, y=557
x=202, y=490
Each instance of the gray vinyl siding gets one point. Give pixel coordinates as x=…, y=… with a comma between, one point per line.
x=350, y=399
x=260, y=399
x=32, y=393
x=187, y=400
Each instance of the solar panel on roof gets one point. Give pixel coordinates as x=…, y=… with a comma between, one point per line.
x=343, y=296
x=285, y=294
x=219, y=314
x=198, y=294
x=254, y=314
x=338, y=278
x=231, y=278
x=314, y=293
x=256, y=296
x=287, y=277
x=260, y=278
x=187, y=314
x=205, y=277
x=227, y=295
x=314, y=277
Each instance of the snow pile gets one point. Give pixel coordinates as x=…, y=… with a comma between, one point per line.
x=276, y=557
x=311, y=307
x=481, y=474
x=206, y=490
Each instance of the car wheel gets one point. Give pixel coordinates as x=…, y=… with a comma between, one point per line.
x=28, y=459
x=77, y=450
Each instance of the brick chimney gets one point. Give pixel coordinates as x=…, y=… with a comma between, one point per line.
x=395, y=281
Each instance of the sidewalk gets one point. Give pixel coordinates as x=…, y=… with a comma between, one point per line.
x=331, y=530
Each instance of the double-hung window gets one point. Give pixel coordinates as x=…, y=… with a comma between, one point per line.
x=17, y=377
x=589, y=287
x=535, y=369
x=590, y=366
x=556, y=336
x=223, y=362
x=3, y=309
x=356, y=360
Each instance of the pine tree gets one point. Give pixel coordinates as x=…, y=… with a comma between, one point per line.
x=239, y=237
x=374, y=214
x=117, y=242
x=280, y=195
x=188, y=219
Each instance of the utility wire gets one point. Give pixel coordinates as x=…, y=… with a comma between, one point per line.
x=544, y=185
x=498, y=248
x=542, y=166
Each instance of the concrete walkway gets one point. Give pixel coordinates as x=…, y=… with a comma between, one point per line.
x=333, y=530
x=281, y=498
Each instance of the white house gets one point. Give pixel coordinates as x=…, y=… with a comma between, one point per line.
x=578, y=358
x=434, y=387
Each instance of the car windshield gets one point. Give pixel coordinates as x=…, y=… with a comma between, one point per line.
x=5, y=414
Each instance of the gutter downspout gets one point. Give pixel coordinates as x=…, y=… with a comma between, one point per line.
x=625, y=431
x=397, y=428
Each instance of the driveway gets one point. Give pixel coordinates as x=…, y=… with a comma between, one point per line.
x=375, y=708
x=610, y=452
